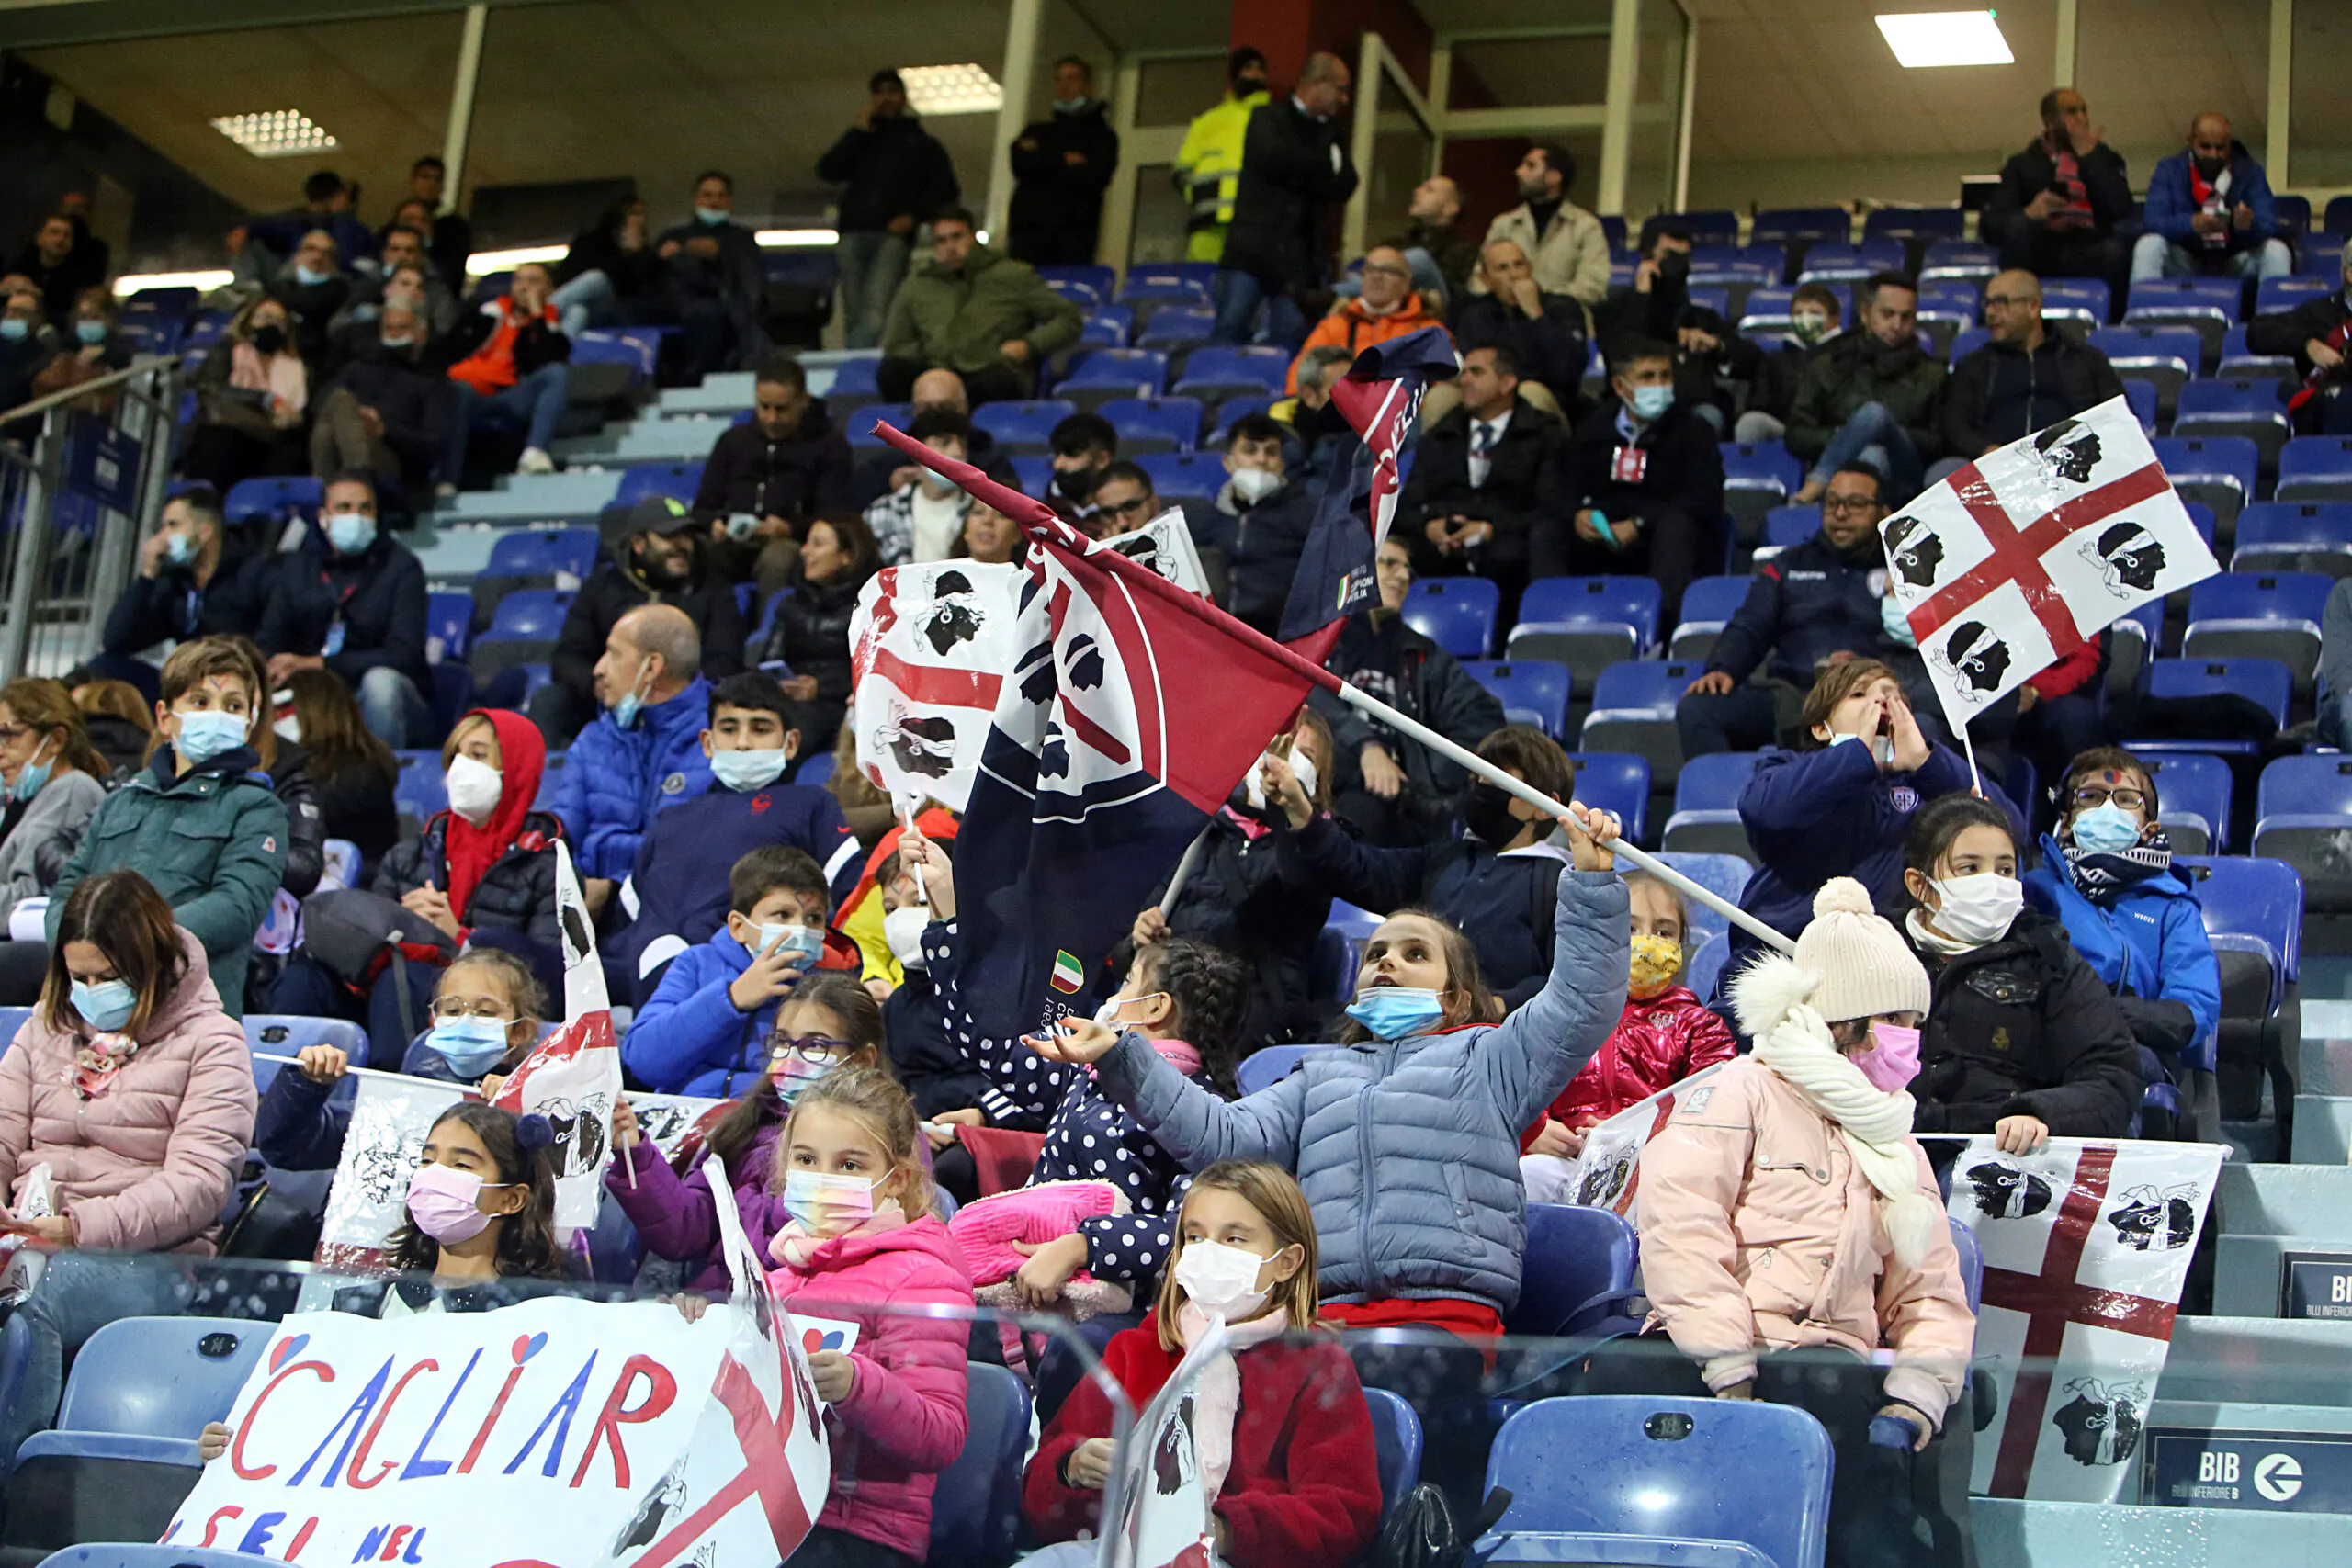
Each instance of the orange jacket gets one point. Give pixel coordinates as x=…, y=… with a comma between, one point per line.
x=493, y=367
x=1355, y=329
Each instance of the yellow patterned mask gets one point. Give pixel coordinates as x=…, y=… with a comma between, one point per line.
x=1656, y=962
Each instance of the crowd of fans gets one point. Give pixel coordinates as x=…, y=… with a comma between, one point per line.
x=792, y=948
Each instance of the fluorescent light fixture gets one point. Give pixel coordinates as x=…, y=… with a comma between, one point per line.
x=797, y=239
x=131, y=283
x=482, y=264
x=952, y=89
x=276, y=133
x=1922, y=40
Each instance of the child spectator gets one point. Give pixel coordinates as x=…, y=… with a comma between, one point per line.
x=199, y=824
x=1285, y=1442
x=1791, y=1216
x=705, y=1030
x=934, y=1068
x=1664, y=1035
x=354, y=773
x=828, y=1025
x=1411, y=1134
x=55, y=783
x=2107, y=876
x=120, y=721
x=1497, y=882
x=862, y=1243
x=126, y=1105
x=2022, y=1041
x=680, y=878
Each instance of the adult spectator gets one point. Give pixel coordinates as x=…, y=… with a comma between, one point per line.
x=519, y=373
x=313, y=287
x=1870, y=395
x=2027, y=376
x=1309, y=414
x=1476, y=493
x=195, y=580
x=410, y=285
x=884, y=470
x=326, y=205
x=133, y=1088
x=58, y=267
x=1295, y=168
x=1708, y=354
x=716, y=283
x=1641, y=484
x=251, y=397
x=1817, y=603
x=55, y=779
x=1082, y=445
x=1208, y=165
x=1061, y=166
x=408, y=277
x=660, y=558
x=199, y=822
x=95, y=347
x=1568, y=249
x=1389, y=307
x=812, y=631
x=766, y=480
x=2209, y=212
x=385, y=412
x=975, y=310
x=1815, y=316
x=2318, y=334
x=1394, y=789
x=990, y=537
x=643, y=754
x=354, y=773
x=27, y=343
x=1126, y=502
x=1661, y=287
x=921, y=520
x=2055, y=212
x=1442, y=257
x=611, y=274
x=352, y=600
x=1543, y=332
x=450, y=238
x=1273, y=512
x=894, y=175
x=119, y=717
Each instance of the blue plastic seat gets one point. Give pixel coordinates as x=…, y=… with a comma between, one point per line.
x=612, y=348
x=859, y=427
x=1930, y=223
x=449, y=620
x=1576, y=1275
x=2218, y=470
x=856, y=376
x=1174, y=325
x=677, y=480
x=2315, y=468
x=1714, y=226
x=1025, y=426
x=1141, y=372
x=530, y=614
x=1726, y=876
x=2237, y=359
x=1630, y=602
x=1534, y=686
x=2192, y=800
x=2169, y=356
x=1103, y=331
x=975, y=1507
x=2295, y=535
x=544, y=552
x=2253, y=907
x=2141, y=398
x=1781, y=225
x=1190, y=291
x=1456, y=613
x=1618, y=782
x=2085, y=299
x=1707, y=965
x=420, y=791
x=2275, y=295
x=1218, y=370
x=287, y=1035
x=1958, y=258
x=1706, y=805
x=1788, y=526
x=1604, y=1479
x=144, y=1387
x=1708, y=606
x=1966, y=342
x=2264, y=681
x=2303, y=812
x=2237, y=405
x=1153, y=424
x=1971, y=1262
x=2294, y=214
x=1090, y=275
x=1396, y=1447
x=1183, y=473
x=1640, y=688
x=1763, y=466
x=1269, y=1064
x=1235, y=407
x=278, y=500
x=2206, y=306
x=1202, y=273
x=1851, y=262
x=2260, y=615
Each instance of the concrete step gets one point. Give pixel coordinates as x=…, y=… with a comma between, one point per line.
x=579, y=494
x=2264, y=1360
x=2249, y=1271
x=2322, y=1129
x=685, y=440
x=728, y=390
x=2284, y=1200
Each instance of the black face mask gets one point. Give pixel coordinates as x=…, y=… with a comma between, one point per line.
x=1674, y=266
x=270, y=339
x=2210, y=168
x=1075, y=485
x=1249, y=84
x=1486, y=811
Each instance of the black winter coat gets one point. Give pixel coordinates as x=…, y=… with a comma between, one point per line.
x=2289, y=332
x=413, y=398
x=378, y=595
x=614, y=589
x=1511, y=499
x=2028, y=174
x=517, y=893
x=1384, y=655
x=2022, y=1027
x=306, y=824
x=795, y=480
x=1268, y=540
x=1293, y=168
x=357, y=804
x=1550, y=348
x=1685, y=471
x=895, y=170
x=811, y=634
x=1997, y=393
x=1058, y=205
x=1802, y=605
x=932, y=1068
x=170, y=607
x=1251, y=899
x=1773, y=389
x=634, y=275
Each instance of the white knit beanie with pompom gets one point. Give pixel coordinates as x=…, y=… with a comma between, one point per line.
x=1866, y=968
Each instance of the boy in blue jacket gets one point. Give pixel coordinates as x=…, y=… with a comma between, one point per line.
x=706, y=1030
x=677, y=891
x=2106, y=875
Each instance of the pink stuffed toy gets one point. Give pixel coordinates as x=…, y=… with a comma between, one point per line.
x=1031, y=1215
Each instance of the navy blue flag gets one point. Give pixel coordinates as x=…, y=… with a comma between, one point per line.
x=1380, y=398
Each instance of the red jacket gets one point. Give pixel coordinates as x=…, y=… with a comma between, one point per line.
x=1304, y=1487
x=1656, y=1044
x=516, y=344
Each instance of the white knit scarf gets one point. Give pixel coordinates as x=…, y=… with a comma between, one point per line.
x=1216, y=1403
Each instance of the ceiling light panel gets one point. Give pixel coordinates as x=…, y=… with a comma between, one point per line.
x=276, y=133
x=952, y=89
x=1925, y=39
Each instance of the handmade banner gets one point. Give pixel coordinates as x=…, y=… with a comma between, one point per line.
x=930, y=647
x=2033, y=550
x=555, y=1431
x=1165, y=545
x=1156, y=1492
x=1607, y=1175
x=2085, y=1247
x=574, y=1076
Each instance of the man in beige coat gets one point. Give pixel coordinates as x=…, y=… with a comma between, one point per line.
x=1570, y=251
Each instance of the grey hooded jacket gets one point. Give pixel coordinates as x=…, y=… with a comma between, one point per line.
x=1407, y=1149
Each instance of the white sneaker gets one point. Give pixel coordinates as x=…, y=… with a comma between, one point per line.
x=445, y=494
x=535, y=461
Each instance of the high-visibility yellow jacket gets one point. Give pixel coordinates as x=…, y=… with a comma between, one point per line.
x=1208, y=171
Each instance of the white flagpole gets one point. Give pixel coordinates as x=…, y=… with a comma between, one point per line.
x=1366, y=703
x=1184, y=869
x=1968, y=744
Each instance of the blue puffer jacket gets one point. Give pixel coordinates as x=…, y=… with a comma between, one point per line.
x=2172, y=205
x=2152, y=944
x=614, y=779
x=1407, y=1149
x=691, y=1038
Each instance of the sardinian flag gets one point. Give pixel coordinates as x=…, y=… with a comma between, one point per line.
x=2031, y=551
x=930, y=647
x=1380, y=396
x=574, y=1076
x=1132, y=710
x=2086, y=1246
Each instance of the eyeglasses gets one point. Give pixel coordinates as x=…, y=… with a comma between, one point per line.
x=811, y=1047
x=9, y=732
x=2128, y=800
x=1136, y=507
x=1850, y=503
x=478, y=1007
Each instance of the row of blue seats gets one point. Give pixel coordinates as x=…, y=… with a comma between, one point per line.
x=1211, y=371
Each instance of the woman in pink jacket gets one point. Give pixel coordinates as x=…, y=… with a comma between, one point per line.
x=850, y=1175
x=1792, y=1232
x=126, y=1108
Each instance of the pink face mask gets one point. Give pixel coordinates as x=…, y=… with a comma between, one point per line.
x=444, y=1204
x=1893, y=1059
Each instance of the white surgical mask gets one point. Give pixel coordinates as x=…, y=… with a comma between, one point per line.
x=1253, y=485
x=1219, y=1280
x=903, y=928
x=1978, y=910
x=474, y=789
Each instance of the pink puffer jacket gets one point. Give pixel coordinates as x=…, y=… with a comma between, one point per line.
x=1761, y=1233
x=145, y=1166
x=904, y=1419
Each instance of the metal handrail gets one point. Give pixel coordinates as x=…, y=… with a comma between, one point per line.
x=83, y=388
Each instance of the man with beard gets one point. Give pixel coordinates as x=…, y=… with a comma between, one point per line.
x=1870, y=395
x=1817, y=603
x=660, y=560
x=2029, y=375
x=2059, y=200
x=1566, y=243
x=2209, y=212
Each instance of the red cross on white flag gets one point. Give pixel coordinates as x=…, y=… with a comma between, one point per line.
x=2032, y=550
